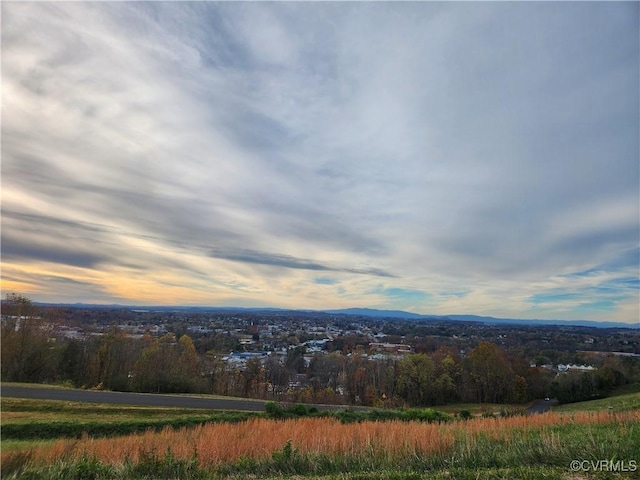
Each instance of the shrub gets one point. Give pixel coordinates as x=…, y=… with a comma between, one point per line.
x=274, y=410
x=465, y=414
x=298, y=410
x=426, y=415
x=349, y=416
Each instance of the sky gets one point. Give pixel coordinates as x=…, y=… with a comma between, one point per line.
x=439, y=158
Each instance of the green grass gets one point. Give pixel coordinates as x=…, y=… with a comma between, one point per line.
x=511, y=473
x=535, y=455
x=629, y=401
x=277, y=411
x=69, y=386
x=24, y=410
x=483, y=408
x=59, y=386
x=30, y=419
x=18, y=445
x=27, y=419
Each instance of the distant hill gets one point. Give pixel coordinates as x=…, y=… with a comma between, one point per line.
x=363, y=312
x=570, y=323
x=480, y=319
x=162, y=308
x=371, y=312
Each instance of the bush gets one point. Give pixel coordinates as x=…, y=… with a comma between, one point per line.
x=465, y=414
x=298, y=410
x=426, y=415
x=382, y=415
x=274, y=410
x=349, y=416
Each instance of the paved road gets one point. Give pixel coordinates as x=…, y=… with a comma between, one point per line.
x=126, y=398
x=541, y=406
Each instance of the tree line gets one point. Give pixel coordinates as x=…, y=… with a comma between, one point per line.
x=172, y=364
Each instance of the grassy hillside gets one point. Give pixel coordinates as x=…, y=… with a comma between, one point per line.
x=627, y=401
x=525, y=447
x=27, y=419
x=151, y=442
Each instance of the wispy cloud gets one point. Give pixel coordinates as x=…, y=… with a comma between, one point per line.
x=324, y=155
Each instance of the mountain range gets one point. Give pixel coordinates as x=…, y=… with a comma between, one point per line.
x=371, y=312
x=478, y=318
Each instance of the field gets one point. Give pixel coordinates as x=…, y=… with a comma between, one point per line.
x=627, y=401
x=526, y=447
x=25, y=419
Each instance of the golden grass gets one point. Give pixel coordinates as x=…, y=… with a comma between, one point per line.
x=258, y=438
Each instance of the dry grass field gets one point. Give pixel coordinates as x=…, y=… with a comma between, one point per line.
x=529, y=447
x=258, y=439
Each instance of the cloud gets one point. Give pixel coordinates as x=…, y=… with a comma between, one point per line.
x=212, y=147
x=50, y=252
x=287, y=261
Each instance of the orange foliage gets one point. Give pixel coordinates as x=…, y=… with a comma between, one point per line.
x=259, y=438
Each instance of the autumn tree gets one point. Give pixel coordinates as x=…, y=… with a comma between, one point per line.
x=326, y=371
x=538, y=382
x=574, y=387
x=26, y=351
x=187, y=366
x=355, y=378
x=381, y=379
x=113, y=360
x=252, y=376
x=146, y=374
x=295, y=359
x=489, y=375
x=216, y=373
x=168, y=365
x=74, y=362
x=447, y=374
x=415, y=380
x=611, y=374
x=152, y=369
x=277, y=375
